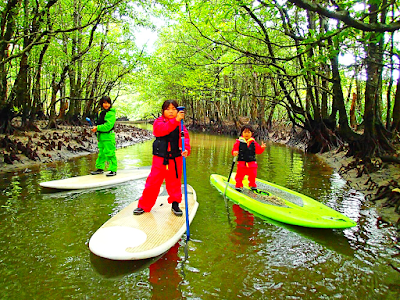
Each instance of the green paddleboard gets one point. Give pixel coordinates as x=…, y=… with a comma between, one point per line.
x=282, y=204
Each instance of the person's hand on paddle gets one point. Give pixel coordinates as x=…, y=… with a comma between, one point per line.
x=185, y=153
x=235, y=153
x=180, y=116
x=94, y=129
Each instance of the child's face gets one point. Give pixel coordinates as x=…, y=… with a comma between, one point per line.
x=171, y=112
x=247, y=134
x=106, y=105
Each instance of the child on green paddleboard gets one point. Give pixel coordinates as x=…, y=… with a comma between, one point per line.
x=106, y=138
x=246, y=149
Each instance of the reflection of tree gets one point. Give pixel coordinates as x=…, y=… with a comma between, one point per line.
x=164, y=276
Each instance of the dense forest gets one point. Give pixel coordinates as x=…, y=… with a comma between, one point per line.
x=226, y=61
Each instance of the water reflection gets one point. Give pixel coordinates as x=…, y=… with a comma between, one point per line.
x=331, y=239
x=243, y=234
x=164, y=276
x=234, y=253
x=114, y=269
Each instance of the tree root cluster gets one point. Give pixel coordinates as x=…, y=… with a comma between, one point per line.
x=362, y=167
x=49, y=145
x=14, y=147
x=32, y=145
x=299, y=140
x=395, y=255
x=390, y=192
x=387, y=191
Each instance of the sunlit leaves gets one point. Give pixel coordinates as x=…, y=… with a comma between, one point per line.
x=219, y=49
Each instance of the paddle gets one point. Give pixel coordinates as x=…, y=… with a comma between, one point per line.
x=90, y=121
x=184, y=178
x=230, y=174
x=226, y=187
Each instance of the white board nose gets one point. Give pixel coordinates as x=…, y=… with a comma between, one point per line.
x=111, y=242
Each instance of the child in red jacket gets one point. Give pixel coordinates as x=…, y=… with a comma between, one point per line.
x=246, y=148
x=167, y=160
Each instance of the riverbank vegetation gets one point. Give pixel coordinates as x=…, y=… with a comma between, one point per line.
x=227, y=62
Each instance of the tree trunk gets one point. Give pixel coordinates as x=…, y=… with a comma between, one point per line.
x=338, y=104
x=371, y=90
x=8, y=17
x=389, y=90
x=76, y=67
x=374, y=140
x=353, y=122
x=37, y=103
x=396, y=109
x=52, y=117
x=20, y=96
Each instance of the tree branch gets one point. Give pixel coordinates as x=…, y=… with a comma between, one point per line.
x=344, y=16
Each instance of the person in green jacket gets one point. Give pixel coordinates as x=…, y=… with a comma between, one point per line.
x=106, y=138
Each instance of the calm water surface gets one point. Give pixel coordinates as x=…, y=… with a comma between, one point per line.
x=232, y=254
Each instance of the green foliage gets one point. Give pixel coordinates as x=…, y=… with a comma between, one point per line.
x=218, y=52
x=222, y=59
x=90, y=49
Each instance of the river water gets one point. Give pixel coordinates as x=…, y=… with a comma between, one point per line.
x=232, y=254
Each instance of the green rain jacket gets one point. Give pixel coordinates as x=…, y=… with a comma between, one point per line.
x=104, y=131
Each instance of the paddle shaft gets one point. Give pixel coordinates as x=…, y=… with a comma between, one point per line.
x=185, y=183
x=230, y=173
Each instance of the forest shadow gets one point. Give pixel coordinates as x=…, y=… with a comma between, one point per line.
x=329, y=238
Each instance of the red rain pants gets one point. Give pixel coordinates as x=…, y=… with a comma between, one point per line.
x=158, y=174
x=249, y=169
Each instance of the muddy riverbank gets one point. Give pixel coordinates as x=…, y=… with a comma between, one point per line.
x=23, y=150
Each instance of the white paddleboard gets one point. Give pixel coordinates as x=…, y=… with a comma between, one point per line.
x=100, y=180
x=132, y=237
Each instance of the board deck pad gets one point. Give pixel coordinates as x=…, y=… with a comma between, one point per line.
x=263, y=196
x=100, y=180
x=132, y=237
